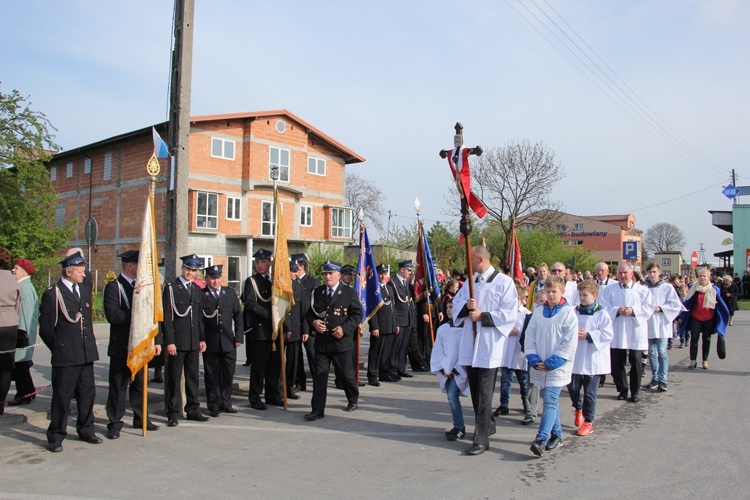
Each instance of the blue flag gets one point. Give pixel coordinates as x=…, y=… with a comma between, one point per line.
x=366, y=283
x=426, y=284
x=160, y=147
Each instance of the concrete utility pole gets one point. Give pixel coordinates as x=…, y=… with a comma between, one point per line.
x=179, y=134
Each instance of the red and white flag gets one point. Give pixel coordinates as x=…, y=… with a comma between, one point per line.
x=464, y=174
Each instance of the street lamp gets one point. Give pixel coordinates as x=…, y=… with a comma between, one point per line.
x=417, y=207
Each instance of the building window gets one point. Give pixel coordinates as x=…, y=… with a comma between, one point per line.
x=233, y=208
x=341, y=223
x=69, y=170
x=222, y=148
x=60, y=216
x=107, y=165
x=207, y=213
x=316, y=166
x=206, y=260
x=578, y=226
x=561, y=228
x=87, y=166
x=666, y=261
x=53, y=173
x=279, y=158
x=233, y=273
x=305, y=216
x=267, y=219
x=529, y=227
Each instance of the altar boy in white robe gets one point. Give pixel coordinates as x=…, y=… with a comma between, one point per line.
x=492, y=312
x=629, y=306
x=667, y=305
x=592, y=356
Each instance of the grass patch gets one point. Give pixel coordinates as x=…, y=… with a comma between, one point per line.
x=743, y=304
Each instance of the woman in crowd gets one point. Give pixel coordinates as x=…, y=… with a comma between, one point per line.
x=729, y=293
x=28, y=322
x=10, y=305
x=706, y=314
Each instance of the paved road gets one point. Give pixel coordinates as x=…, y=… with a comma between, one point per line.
x=689, y=442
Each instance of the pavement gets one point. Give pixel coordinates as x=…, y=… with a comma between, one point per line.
x=686, y=442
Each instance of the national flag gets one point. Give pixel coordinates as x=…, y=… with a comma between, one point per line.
x=161, y=150
x=426, y=285
x=146, y=307
x=366, y=283
x=462, y=175
x=282, y=298
x=515, y=268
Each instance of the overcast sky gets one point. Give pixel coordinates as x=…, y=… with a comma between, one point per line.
x=643, y=102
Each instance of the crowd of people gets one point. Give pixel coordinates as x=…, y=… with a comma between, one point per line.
x=558, y=328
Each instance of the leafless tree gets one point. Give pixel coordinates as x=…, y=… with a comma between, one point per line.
x=663, y=237
x=364, y=194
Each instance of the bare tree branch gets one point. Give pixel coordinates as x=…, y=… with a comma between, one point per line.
x=663, y=237
x=364, y=194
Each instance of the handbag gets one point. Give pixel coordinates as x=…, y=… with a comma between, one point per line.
x=721, y=347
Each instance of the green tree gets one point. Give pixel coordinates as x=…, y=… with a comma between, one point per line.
x=27, y=198
x=444, y=247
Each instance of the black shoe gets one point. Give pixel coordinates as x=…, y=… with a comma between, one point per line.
x=633, y=399
x=113, y=434
x=662, y=388
x=362, y=383
x=172, y=422
x=388, y=378
x=292, y=395
x=301, y=388
x=374, y=383
x=652, y=386
x=477, y=449
x=258, y=405
x=314, y=415
x=455, y=434
x=55, y=446
x=150, y=426
x=158, y=380
x=198, y=417
x=501, y=410
x=246, y=363
x=537, y=448
x=22, y=401
x=275, y=402
x=215, y=413
x=405, y=375
x=554, y=442
x=92, y=439
x=622, y=396
x=351, y=407
x=229, y=410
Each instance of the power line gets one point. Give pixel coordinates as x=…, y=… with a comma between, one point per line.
x=675, y=199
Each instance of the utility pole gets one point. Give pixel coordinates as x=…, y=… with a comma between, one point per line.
x=179, y=134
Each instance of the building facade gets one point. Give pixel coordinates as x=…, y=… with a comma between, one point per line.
x=230, y=191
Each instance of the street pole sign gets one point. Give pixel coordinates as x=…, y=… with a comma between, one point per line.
x=92, y=231
x=694, y=259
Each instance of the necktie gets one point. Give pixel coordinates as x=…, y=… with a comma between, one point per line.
x=216, y=294
x=480, y=279
x=330, y=293
x=75, y=291
x=625, y=286
x=268, y=277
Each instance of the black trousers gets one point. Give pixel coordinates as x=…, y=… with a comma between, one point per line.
x=425, y=342
x=408, y=346
x=293, y=362
x=482, y=386
x=218, y=374
x=119, y=382
x=265, y=370
x=342, y=361
x=185, y=362
x=618, y=358
x=22, y=370
x=701, y=329
x=68, y=381
x=388, y=355
x=373, y=358
x=309, y=348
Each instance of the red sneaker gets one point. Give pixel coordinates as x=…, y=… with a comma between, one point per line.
x=578, y=421
x=586, y=429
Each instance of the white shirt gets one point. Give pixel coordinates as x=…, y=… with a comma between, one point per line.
x=630, y=332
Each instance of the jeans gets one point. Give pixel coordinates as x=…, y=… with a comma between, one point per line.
x=532, y=402
x=550, y=424
x=453, y=393
x=506, y=380
x=657, y=356
x=587, y=400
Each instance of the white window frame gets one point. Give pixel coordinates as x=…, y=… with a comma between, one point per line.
x=343, y=229
x=60, y=216
x=578, y=226
x=107, y=166
x=69, y=170
x=561, y=228
x=234, y=208
x=208, y=217
x=283, y=168
x=318, y=162
x=223, y=142
x=267, y=227
x=666, y=261
x=306, y=215
x=53, y=173
x=87, y=166
x=208, y=260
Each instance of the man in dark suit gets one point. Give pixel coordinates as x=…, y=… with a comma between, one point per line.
x=309, y=283
x=335, y=314
x=347, y=278
x=118, y=299
x=185, y=338
x=407, y=320
x=293, y=334
x=66, y=328
x=265, y=361
x=383, y=329
x=225, y=332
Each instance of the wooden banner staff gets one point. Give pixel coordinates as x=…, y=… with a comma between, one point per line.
x=428, y=286
x=465, y=223
x=361, y=218
x=275, y=177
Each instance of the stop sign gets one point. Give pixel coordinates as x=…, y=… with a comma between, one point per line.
x=694, y=259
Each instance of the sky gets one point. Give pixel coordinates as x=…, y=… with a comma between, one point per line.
x=643, y=102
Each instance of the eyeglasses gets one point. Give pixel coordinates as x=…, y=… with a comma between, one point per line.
x=557, y=270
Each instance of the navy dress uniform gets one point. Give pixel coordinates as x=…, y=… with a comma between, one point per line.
x=118, y=299
x=293, y=335
x=406, y=341
x=337, y=310
x=309, y=283
x=183, y=328
x=66, y=327
x=222, y=315
x=381, y=359
x=265, y=359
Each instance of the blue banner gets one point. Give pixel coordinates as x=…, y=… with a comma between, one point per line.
x=366, y=283
x=430, y=274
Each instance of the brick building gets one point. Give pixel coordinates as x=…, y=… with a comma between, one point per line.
x=230, y=190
